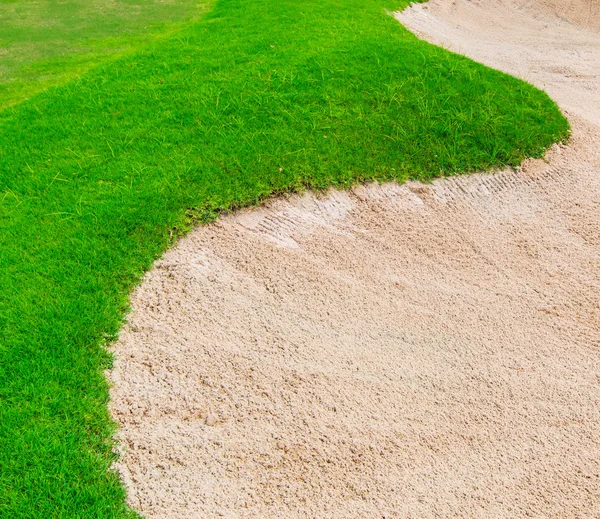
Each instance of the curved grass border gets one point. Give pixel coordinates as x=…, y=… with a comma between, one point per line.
x=98, y=178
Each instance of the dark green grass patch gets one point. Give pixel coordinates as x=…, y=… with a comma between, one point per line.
x=98, y=176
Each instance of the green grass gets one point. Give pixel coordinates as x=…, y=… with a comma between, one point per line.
x=45, y=42
x=98, y=176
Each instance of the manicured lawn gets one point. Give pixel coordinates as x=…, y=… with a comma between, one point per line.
x=98, y=176
x=46, y=42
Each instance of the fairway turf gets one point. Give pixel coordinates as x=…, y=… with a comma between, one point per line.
x=100, y=175
x=44, y=42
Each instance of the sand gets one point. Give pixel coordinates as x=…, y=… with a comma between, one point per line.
x=411, y=351
x=585, y=13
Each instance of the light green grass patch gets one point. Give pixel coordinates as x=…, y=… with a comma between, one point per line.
x=46, y=42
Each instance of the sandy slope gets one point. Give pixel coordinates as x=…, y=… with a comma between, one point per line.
x=585, y=13
x=393, y=351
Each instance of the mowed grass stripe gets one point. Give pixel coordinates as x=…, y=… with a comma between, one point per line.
x=44, y=43
x=99, y=176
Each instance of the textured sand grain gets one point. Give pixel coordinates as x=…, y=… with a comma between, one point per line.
x=391, y=351
x=584, y=13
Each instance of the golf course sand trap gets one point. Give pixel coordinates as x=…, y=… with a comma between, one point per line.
x=411, y=351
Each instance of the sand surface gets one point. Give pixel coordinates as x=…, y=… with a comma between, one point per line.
x=392, y=351
x=585, y=13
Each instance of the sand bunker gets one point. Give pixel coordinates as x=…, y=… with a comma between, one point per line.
x=392, y=351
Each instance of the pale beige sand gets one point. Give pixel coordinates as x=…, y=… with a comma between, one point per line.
x=393, y=351
x=585, y=13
